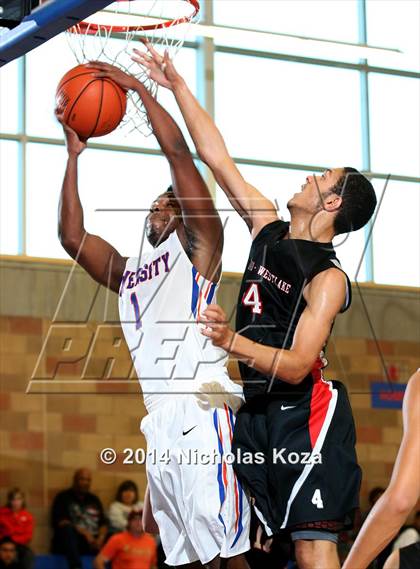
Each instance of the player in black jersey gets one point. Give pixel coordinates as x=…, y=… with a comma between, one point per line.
x=292, y=290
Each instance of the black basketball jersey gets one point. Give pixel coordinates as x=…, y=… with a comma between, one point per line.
x=271, y=299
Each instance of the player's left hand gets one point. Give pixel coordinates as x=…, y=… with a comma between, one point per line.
x=124, y=80
x=216, y=327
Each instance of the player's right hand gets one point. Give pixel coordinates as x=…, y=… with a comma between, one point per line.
x=160, y=68
x=74, y=144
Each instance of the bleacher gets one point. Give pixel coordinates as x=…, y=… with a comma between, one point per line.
x=59, y=562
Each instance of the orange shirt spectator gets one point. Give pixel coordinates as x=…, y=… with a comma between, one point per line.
x=131, y=549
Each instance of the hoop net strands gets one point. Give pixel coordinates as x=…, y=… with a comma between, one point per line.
x=110, y=36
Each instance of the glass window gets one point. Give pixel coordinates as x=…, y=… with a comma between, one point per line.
x=396, y=235
x=394, y=24
x=297, y=113
x=394, y=120
x=129, y=182
x=9, y=197
x=9, y=97
x=321, y=19
x=41, y=100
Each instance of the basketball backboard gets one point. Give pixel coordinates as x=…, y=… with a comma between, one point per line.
x=44, y=22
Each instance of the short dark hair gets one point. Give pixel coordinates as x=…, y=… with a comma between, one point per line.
x=127, y=485
x=358, y=201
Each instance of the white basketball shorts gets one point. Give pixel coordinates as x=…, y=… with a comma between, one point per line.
x=197, y=501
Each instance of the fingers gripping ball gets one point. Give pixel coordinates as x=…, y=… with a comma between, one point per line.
x=92, y=106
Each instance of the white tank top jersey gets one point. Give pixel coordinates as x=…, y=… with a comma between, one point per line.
x=160, y=298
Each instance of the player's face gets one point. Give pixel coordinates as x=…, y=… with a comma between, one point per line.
x=315, y=189
x=163, y=218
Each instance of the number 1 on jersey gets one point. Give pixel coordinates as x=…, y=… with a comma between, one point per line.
x=252, y=298
x=135, y=303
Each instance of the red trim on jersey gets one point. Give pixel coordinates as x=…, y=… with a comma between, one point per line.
x=320, y=400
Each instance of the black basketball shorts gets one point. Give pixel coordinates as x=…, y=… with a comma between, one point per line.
x=296, y=456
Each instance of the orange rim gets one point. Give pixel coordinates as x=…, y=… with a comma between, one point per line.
x=91, y=27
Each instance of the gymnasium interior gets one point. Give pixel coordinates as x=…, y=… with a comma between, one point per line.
x=295, y=86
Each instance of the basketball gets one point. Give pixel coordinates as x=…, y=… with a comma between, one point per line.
x=92, y=106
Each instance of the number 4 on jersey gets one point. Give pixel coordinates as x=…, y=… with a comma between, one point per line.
x=252, y=298
x=317, y=500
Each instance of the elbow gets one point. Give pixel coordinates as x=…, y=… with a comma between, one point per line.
x=400, y=503
x=178, y=151
x=70, y=242
x=296, y=372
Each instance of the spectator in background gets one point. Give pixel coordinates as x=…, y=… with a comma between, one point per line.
x=131, y=549
x=18, y=524
x=78, y=520
x=126, y=500
x=8, y=554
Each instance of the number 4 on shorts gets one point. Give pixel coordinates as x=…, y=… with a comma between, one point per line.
x=252, y=298
x=317, y=500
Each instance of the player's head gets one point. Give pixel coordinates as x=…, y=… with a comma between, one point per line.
x=8, y=553
x=163, y=218
x=343, y=195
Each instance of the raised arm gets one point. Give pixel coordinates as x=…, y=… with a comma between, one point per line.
x=393, y=507
x=95, y=255
x=204, y=238
x=324, y=296
x=255, y=209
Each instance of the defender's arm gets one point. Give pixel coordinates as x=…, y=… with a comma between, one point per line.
x=324, y=295
x=255, y=209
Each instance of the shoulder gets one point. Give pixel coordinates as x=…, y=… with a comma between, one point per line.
x=149, y=540
x=330, y=287
x=115, y=505
x=278, y=227
x=94, y=498
x=331, y=276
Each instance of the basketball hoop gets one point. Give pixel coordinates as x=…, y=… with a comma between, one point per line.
x=108, y=36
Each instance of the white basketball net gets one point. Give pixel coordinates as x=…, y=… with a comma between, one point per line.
x=100, y=38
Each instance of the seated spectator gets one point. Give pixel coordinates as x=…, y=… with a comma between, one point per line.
x=78, y=520
x=18, y=524
x=131, y=549
x=8, y=554
x=126, y=500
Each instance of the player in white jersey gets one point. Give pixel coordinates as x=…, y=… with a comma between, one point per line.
x=197, y=501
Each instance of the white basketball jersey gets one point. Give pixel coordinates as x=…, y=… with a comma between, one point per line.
x=161, y=296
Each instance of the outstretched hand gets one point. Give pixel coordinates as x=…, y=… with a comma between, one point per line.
x=216, y=327
x=159, y=68
x=106, y=70
x=75, y=145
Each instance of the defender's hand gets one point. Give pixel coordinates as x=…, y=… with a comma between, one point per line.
x=74, y=144
x=216, y=327
x=124, y=80
x=160, y=68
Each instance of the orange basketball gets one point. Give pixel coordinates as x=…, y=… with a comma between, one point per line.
x=92, y=106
